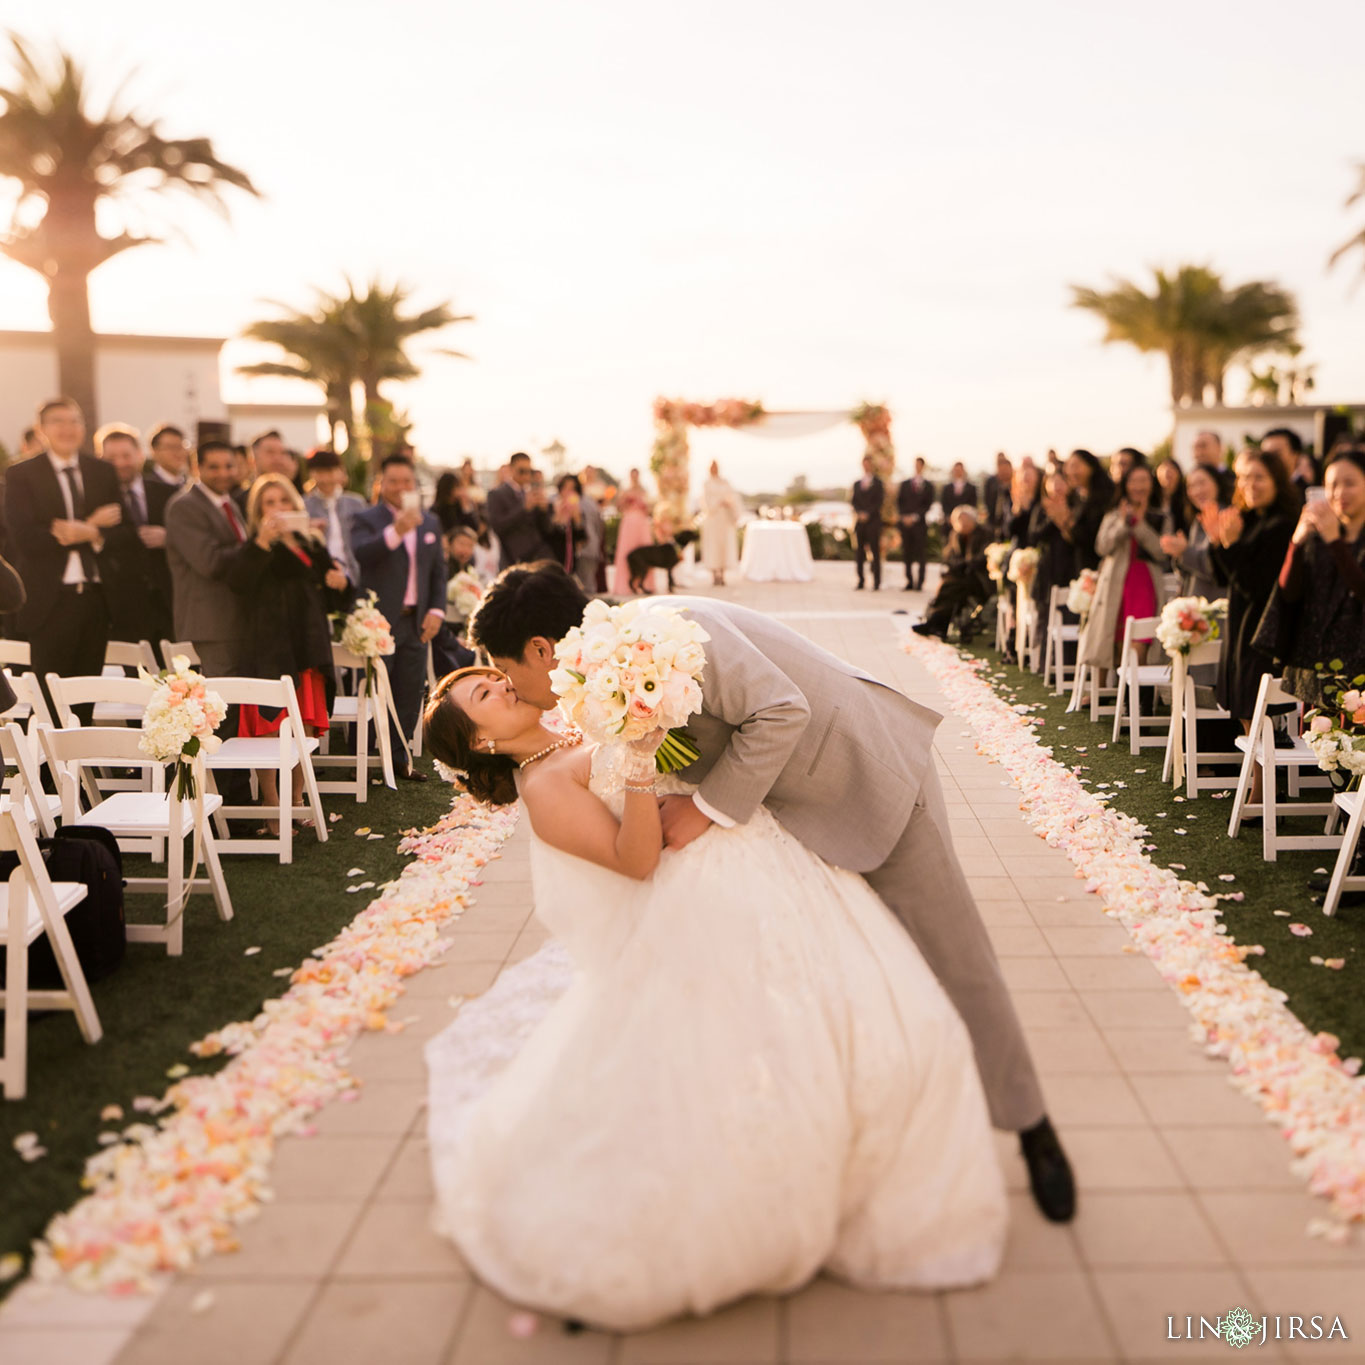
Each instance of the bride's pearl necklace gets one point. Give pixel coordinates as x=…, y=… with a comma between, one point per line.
x=567, y=742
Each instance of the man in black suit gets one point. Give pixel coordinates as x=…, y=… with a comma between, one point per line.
x=402, y=561
x=139, y=576
x=958, y=492
x=170, y=461
x=868, y=495
x=914, y=498
x=60, y=504
x=519, y=515
x=997, y=496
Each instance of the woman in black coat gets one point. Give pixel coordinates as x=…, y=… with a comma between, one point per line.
x=280, y=573
x=1093, y=494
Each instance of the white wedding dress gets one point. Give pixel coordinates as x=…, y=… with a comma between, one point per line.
x=713, y=1083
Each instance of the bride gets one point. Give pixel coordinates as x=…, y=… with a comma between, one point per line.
x=732, y=1070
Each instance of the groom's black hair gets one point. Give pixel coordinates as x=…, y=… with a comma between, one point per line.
x=526, y=601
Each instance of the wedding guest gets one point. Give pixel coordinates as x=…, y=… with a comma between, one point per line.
x=519, y=515
x=567, y=532
x=452, y=503
x=869, y=493
x=270, y=455
x=30, y=444
x=333, y=511
x=170, y=459
x=204, y=529
x=635, y=529
x=720, y=506
x=1248, y=543
x=1056, y=554
x=398, y=547
x=1132, y=567
x=1285, y=445
x=959, y=491
x=139, y=575
x=1189, y=549
x=1025, y=492
x=59, y=507
x=1321, y=607
x=914, y=498
x=1306, y=474
x=461, y=543
x=996, y=497
x=1172, y=480
x=280, y=573
x=1122, y=461
x=965, y=580
x=588, y=565
x=1093, y=493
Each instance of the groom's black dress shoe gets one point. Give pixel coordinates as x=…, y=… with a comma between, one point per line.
x=1049, y=1172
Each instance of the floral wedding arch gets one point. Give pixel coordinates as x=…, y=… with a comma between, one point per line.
x=672, y=418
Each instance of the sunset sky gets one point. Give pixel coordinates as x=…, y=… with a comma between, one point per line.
x=806, y=204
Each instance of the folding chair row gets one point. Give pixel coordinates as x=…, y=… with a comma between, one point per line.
x=1133, y=676
x=1191, y=714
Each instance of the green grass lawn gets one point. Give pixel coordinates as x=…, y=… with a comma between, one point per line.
x=154, y=1006
x=1323, y=999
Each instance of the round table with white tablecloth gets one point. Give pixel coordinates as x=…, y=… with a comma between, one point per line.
x=776, y=552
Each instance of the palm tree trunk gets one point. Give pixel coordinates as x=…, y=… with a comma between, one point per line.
x=68, y=304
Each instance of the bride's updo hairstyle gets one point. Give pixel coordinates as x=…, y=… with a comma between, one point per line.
x=452, y=737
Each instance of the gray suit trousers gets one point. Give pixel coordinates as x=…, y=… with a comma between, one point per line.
x=923, y=883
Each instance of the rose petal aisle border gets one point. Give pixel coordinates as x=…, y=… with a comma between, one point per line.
x=1297, y=1077
x=173, y=1192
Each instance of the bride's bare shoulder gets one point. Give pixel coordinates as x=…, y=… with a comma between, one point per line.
x=567, y=768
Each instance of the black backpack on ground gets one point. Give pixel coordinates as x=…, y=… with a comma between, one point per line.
x=88, y=854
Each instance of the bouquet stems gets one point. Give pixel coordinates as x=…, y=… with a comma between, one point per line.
x=676, y=752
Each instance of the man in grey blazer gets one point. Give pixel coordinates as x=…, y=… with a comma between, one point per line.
x=204, y=527
x=333, y=510
x=845, y=763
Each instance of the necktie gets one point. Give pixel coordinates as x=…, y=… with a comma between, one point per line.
x=77, y=495
x=132, y=505
x=336, y=542
x=230, y=513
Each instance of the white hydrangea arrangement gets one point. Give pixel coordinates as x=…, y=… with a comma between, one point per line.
x=181, y=720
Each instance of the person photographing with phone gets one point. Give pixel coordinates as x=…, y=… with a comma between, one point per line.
x=402, y=561
x=279, y=573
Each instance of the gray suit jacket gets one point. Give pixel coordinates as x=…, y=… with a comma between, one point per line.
x=199, y=546
x=348, y=506
x=835, y=755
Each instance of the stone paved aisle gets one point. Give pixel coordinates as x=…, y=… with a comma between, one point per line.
x=1187, y=1204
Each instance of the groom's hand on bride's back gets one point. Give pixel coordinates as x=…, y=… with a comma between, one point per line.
x=681, y=820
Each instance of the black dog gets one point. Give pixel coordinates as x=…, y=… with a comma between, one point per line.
x=665, y=556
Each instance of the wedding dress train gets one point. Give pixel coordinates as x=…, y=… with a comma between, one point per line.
x=716, y=1082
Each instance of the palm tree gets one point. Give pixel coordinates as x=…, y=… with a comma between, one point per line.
x=70, y=158
x=1356, y=243
x=355, y=339
x=1200, y=325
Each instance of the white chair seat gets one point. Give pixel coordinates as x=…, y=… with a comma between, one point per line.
x=1300, y=756
x=1349, y=801
x=118, y=711
x=345, y=708
x=68, y=894
x=1068, y=633
x=261, y=752
x=139, y=813
x=1153, y=675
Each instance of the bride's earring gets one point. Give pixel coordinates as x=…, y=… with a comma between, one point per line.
x=491, y=746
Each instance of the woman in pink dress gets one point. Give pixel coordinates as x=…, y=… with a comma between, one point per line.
x=636, y=529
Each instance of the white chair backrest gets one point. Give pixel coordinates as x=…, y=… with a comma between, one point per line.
x=15, y=654
x=273, y=692
x=123, y=654
x=68, y=693
x=1207, y=653
x=170, y=648
x=1138, y=628
x=23, y=754
x=91, y=745
x=28, y=693
x=1057, y=598
x=343, y=658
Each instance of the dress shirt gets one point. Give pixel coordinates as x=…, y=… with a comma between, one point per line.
x=75, y=570
x=409, y=542
x=336, y=539
x=135, y=493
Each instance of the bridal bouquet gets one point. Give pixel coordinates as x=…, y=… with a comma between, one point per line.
x=1336, y=730
x=464, y=592
x=1080, y=596
x=630, y=671
x=1189, y=621
x=1023, y=566
x=366, y=632
x=997, y=557
x=180, y=721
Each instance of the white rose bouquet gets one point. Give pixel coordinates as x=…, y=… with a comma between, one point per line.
x=631, y=671
x=1189, y=621
x=1080, y=596
x=1023, y=566
x=366, y=632
x=997, y=558
x=180, y=721
x=464, y=592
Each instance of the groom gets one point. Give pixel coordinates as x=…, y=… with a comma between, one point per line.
x=845, y=764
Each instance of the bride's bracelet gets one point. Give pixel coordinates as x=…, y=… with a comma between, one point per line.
x=647, y=788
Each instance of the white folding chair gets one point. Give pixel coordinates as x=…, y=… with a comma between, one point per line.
x=30, y=706
x=31, y=904
x=1191, y=714
x=138, y=817
x=359, y=711
x=1004, y=622
x=431, y=687
x=291, y=748
x=24, y=794
x=170, y=648
x=1059, y=634
x=15, y=654
x=116, y=698
x=1259, y=748
x=1133, y=676
x=1352, y=803
x=120, y=655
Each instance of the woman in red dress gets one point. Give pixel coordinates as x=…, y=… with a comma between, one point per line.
x=280, y=573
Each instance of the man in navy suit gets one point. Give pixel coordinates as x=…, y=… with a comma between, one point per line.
x=402, y=561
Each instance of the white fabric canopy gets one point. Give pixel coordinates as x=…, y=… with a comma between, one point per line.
x=784, y=425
